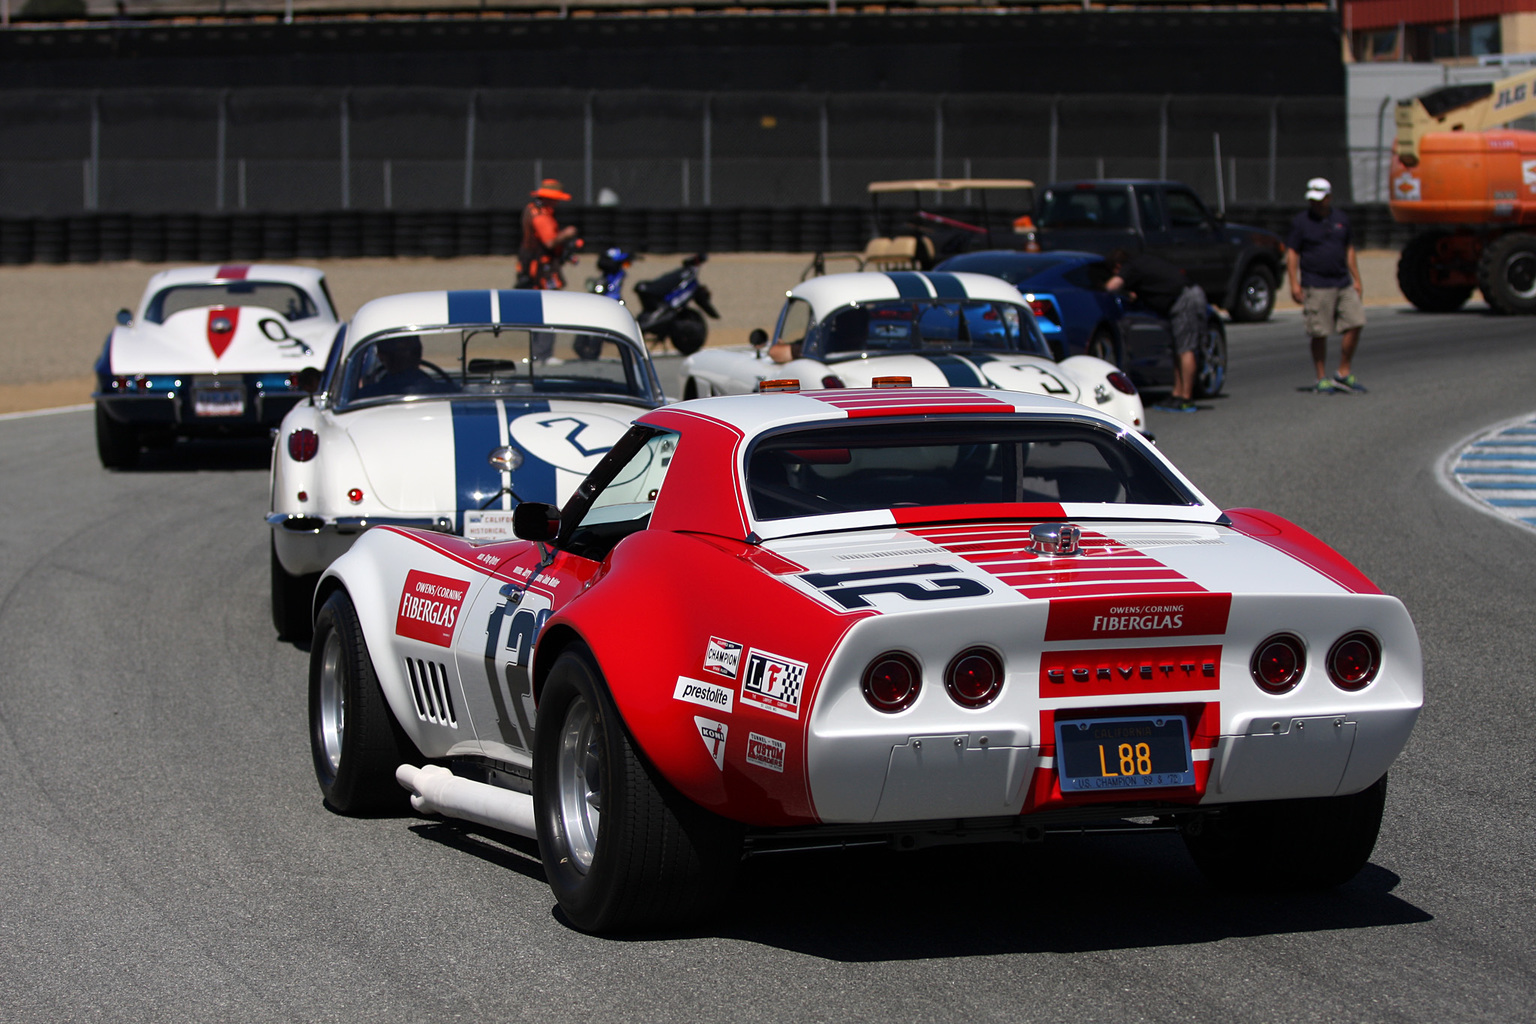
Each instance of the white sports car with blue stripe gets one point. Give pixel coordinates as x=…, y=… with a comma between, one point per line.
x=938, y=329
x=443, y=410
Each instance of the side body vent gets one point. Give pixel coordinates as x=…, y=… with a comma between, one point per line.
x=433, y=694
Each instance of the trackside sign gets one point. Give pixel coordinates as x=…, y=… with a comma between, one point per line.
x=429, y=608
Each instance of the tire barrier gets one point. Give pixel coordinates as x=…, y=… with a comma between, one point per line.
x=215, y=238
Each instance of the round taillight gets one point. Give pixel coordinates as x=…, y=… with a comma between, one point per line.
x=303, y=445
x=974, y=677
x=1278, y=663
x=355, y=496
x=1121, y=383
x=1353, y=660
x=891, y=682
x=832, y=380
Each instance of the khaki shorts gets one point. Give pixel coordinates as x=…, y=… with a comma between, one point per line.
x=1327, y=311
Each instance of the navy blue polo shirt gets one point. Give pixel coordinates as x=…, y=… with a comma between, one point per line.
x=1323, y=246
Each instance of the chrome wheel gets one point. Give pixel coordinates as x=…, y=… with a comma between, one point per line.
x=1211, y=362
x=579, y=786
x=331, y=712
x=1520, y=274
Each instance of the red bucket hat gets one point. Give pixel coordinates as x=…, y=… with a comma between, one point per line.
x=550, y=188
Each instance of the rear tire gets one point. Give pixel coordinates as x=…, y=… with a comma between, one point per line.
x=1211, y=360
x=353, y=736
x=117, y=444
x=688, y=331
x=1415, y=276
x=622, y=849
x=1289, y=844
x=293, y=600
x=1255, y=298
x=1507, y=273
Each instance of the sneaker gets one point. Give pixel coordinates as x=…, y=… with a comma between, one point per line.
x=1176, y=405
x=1348, y=384
x=1323, y=387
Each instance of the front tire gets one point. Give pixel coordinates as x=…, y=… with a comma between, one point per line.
x=1255, y=298
x=117, y=444
x=1506, y=273
x=688, y=331
x=292, y=601
x=353, y=736
x=621, y=848
x=1211, y=360
x=1289, y=844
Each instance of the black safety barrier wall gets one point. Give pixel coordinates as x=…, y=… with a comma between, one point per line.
x=189, y=238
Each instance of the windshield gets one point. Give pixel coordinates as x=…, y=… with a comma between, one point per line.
x=1086, y=208
x=861, y=468
x=918, y=325
x=507, y=361
x=292, y=302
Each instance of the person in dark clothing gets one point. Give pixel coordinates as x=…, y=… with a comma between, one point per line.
x=1325, y=281
x=1163, y=288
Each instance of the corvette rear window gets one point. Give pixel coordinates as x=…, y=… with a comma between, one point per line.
x=929, y=326
x=291, y=302
x=861, y=467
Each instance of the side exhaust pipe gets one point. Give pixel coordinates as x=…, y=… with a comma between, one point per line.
x=436, y=790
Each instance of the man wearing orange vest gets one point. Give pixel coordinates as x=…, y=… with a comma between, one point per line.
x=543, y=238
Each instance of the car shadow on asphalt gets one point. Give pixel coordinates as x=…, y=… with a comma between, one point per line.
x=503, y=849
x=1068, y=895
x=199, y=456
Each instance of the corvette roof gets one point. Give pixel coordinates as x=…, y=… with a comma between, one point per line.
x=211, y=273
x=835, y=291
x=482, y=306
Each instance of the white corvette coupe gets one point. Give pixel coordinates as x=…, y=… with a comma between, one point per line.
x=937, y=329
x=443, y=410
x=211, y=351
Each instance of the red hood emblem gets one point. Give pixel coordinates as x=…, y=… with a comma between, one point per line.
x=221, y=328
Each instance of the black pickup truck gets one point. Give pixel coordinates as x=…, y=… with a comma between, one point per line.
x=1239, y=267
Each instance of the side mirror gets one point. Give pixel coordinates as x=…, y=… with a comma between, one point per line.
x=757, y=339
x=124, y=317
x=536, y=520
x=307, y=380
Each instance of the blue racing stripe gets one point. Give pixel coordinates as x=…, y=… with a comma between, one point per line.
x=523, y=306
x=909, y=285
x=946, y=286
x=958, y=372
x=475, y=433
x=469, y=308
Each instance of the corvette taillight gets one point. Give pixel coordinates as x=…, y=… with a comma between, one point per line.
x=892, y=682
x=974, y=677
x=303, y=444
x=1121, y=383
x=1353, y=660
x=832, y=381
x=1278, y=663
x=355, y=496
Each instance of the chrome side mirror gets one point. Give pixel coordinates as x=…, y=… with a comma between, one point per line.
x=757, y=339
x=124, y=318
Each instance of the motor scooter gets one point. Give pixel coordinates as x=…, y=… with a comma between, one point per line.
x=612, y=264
x=664, y=312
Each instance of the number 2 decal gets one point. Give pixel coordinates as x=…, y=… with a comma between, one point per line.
x=915, y=583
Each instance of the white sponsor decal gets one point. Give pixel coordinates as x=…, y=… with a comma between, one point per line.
x=1139, y=618
x=1406, y=187
x=765, y=752
x=711, y=695
x=713, y=734
x=773, y=683
x=723, y=657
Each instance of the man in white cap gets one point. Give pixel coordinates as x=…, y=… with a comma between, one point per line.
x=1325, y=281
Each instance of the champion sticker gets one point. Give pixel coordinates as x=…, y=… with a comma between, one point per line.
x=723, y=657
x=765, y=752
x=773, y=683
x=429, y=608
x=710, y=695
x=713, y=734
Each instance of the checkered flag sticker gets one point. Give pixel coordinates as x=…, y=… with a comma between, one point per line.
x=773, y=683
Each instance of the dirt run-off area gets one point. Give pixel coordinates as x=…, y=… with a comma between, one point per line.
x=59, y=316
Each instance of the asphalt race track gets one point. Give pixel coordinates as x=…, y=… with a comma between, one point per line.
x=165, y=854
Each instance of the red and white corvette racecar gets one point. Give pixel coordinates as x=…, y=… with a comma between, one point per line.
x=917, y=615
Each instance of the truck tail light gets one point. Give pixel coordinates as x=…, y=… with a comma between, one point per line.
x=974, y=677
x=892, y=682
x=303, y=445
x=1278, y=663
x=1121, y=383
x=1353, y=660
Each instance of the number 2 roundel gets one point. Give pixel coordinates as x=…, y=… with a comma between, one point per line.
x=574, y=441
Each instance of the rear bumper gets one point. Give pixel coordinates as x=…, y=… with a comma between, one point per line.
x=167, y=401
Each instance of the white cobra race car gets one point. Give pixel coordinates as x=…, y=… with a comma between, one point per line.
x=907, y=616
x=443, y=410
x=937, y=329
x=211, y=351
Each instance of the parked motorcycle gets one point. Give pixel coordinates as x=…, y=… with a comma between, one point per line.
x=612, y=265
x=664, y=312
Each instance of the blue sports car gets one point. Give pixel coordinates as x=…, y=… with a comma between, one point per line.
x=1065, y=289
